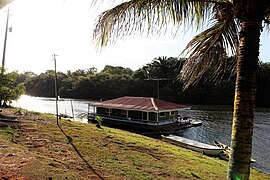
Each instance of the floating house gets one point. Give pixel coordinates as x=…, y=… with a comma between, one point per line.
x=141, y=113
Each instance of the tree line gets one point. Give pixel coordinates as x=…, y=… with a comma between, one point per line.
x=156, y=79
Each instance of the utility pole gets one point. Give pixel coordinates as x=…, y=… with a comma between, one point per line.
x=5, y=43
x=56, y=89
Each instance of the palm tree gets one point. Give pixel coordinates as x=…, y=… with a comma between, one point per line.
x=233, y=25
x=3, y=3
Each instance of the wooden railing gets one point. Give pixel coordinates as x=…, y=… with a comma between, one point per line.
x=135, y=120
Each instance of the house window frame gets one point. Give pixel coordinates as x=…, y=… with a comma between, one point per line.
x=108, y=111
x=123, y=112
x=162, y=114
x=172, y=113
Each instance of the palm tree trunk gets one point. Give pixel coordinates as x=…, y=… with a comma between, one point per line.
x=245, y=97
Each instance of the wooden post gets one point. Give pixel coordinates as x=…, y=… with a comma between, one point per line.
x=72, y=109
x=56, y=90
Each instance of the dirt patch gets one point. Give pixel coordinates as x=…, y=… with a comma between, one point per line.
x=32, y=148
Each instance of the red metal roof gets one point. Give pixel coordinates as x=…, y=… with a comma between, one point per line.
x=140, y=103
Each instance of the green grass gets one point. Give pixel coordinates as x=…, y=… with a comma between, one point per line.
x=8, y=133
x=84, y=151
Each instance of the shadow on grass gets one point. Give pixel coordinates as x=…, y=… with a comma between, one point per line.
x=8, y=121
x=4, y=117
x=78, y=152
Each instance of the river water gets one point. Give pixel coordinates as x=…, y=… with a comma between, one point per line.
x=217, y=122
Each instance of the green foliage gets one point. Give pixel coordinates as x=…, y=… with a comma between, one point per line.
x=10, y=89
x=114, y=82
x=99, y=120
x=19, y=110
x=118, y=70
x=83, y=72
x=263, y=84
x=8, y=132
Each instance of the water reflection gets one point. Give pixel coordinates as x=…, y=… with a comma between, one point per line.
x=216, y=126
x=217, y=122
x=41, y=104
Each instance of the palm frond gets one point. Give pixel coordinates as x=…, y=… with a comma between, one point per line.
x=3, y=3
x=207, y=51
x=149, y=17
x=267, y=21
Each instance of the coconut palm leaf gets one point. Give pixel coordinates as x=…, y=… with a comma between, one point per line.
x=149, y=17
x=267, y=21
x=207, y=50
x=153, y=16
x=3, y=3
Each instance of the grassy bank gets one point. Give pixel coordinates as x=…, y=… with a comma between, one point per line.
x=34, y=147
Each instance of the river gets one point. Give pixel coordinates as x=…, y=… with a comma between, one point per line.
x=217, y=122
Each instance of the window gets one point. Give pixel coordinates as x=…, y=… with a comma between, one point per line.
x=108, y=111
x=123, y=112
x=172, y=113
x=162, y=114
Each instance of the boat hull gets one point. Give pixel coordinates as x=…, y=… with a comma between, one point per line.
x=225, y=155
x=193, y=145
x=140, y=126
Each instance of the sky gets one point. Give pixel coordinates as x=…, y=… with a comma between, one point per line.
x=41, y=28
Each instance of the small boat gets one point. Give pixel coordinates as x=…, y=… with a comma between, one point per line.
x=184, y=120
x=188, y=120
x=221, y=145
x=193, y=145
x=195, y=122
x=225, y=155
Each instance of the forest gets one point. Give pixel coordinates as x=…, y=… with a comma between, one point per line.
x=156, y=79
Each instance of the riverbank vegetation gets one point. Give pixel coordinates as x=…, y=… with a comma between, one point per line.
x=34, y=147
x=112, y=82
x=10, y=88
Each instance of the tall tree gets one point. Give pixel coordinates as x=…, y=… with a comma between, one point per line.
x=9, y=88
x=234, y=25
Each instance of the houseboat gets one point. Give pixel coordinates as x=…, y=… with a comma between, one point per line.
x=139, y=113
